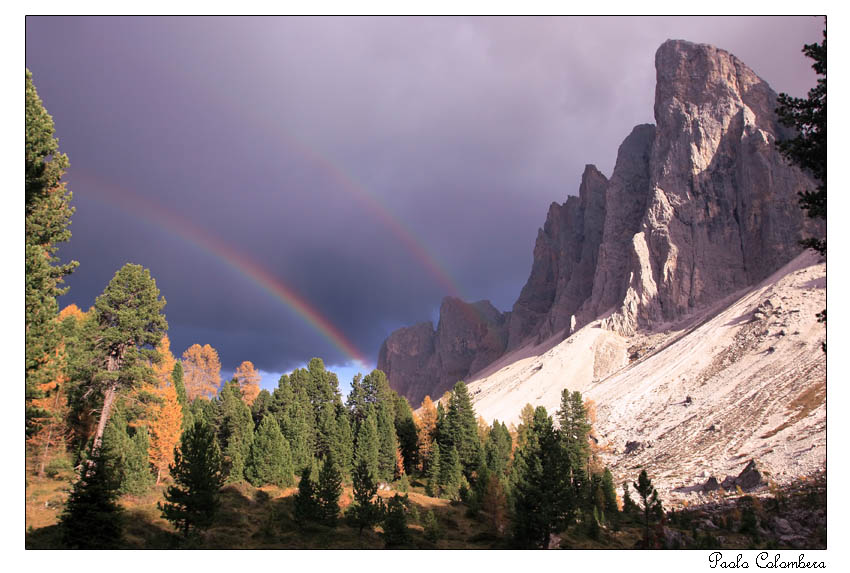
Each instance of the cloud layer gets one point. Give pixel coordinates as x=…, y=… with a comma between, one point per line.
x=360, y=161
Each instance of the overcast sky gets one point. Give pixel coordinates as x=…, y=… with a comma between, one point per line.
x=301, y=187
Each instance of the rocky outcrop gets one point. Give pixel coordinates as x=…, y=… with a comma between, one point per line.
x=722, y=211
x=698, y=206
x=420, y=360
x=565, y=257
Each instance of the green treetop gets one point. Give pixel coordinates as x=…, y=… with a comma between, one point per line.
x=192, y=502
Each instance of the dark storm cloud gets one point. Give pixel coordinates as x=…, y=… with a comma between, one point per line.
x=279, y=136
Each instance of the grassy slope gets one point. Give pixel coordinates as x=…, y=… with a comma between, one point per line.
x=262, y=518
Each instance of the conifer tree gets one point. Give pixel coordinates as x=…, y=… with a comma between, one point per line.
x=405, y=429
x=629, y=506
x=165, y=426
x=249, y=381
x=48, y=216
x=177, y=380
x=201, y=371
x=328, y=490
x=261, y=407
x=364, y=511
x=543, y=499
x=191, y=504
x=343, y=442
x=433, y=532
x=463, y=429
x=130, y=324
x=92, y=518
x=366, y=447
x=270, y=460
x=610, y=495
x=526, y=416
x=651, y=504
x=396, y=533
x=432, y=486
x=574, y=430
x=48, y=430
x=451, y=475
x=498, y=449
x=235, y=430
x=297, y=424
x=387, y=442
x=127, y=456
x=355, y=404
x=807, y=148
x=495, y=503
x=306, y=502
x=426, y=431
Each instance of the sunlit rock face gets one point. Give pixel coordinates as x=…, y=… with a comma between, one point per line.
x=420, y=360
x=698, y=206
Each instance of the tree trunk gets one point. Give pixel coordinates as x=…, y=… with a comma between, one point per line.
x=108, y=399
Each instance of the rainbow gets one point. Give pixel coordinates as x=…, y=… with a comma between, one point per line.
x=184, y=229
x=379, y=211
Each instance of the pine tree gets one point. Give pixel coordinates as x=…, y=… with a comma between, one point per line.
x=92, y=518
x=177, y=380
x=48, y=216
x=306, y=502
x=629, y=506
x=235, y=430
x=610, y=495
x=387, y=442
x=498, y=449
x=328, y=491
x=543, y=501
x=127, y=456
x=463, y=429
x=451, y=473
x=432, y=486
x=343, y=442
x=366, y=447
x=405, y=429
x=192, y=503
x=396, y=533
x=574, y=430
x=261, y=407
x=270, y=460
x=364, y=511
x=651, y=504
x=433, y=532
x=807, y=148
x=297, y=422
x=130, y=324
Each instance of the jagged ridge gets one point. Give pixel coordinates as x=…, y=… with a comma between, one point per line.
x=697, y=207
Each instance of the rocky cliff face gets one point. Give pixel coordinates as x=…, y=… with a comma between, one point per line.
x=698, y=206
x=721, y=209
x=420, y=361
x=565, y=256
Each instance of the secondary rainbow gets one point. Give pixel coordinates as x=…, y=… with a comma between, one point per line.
x=183, y=228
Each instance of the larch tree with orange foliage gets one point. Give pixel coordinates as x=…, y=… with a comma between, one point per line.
x=426, y=423
x=201, y=371
x=165, y=415
x=164, y=429
x=249, y=381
